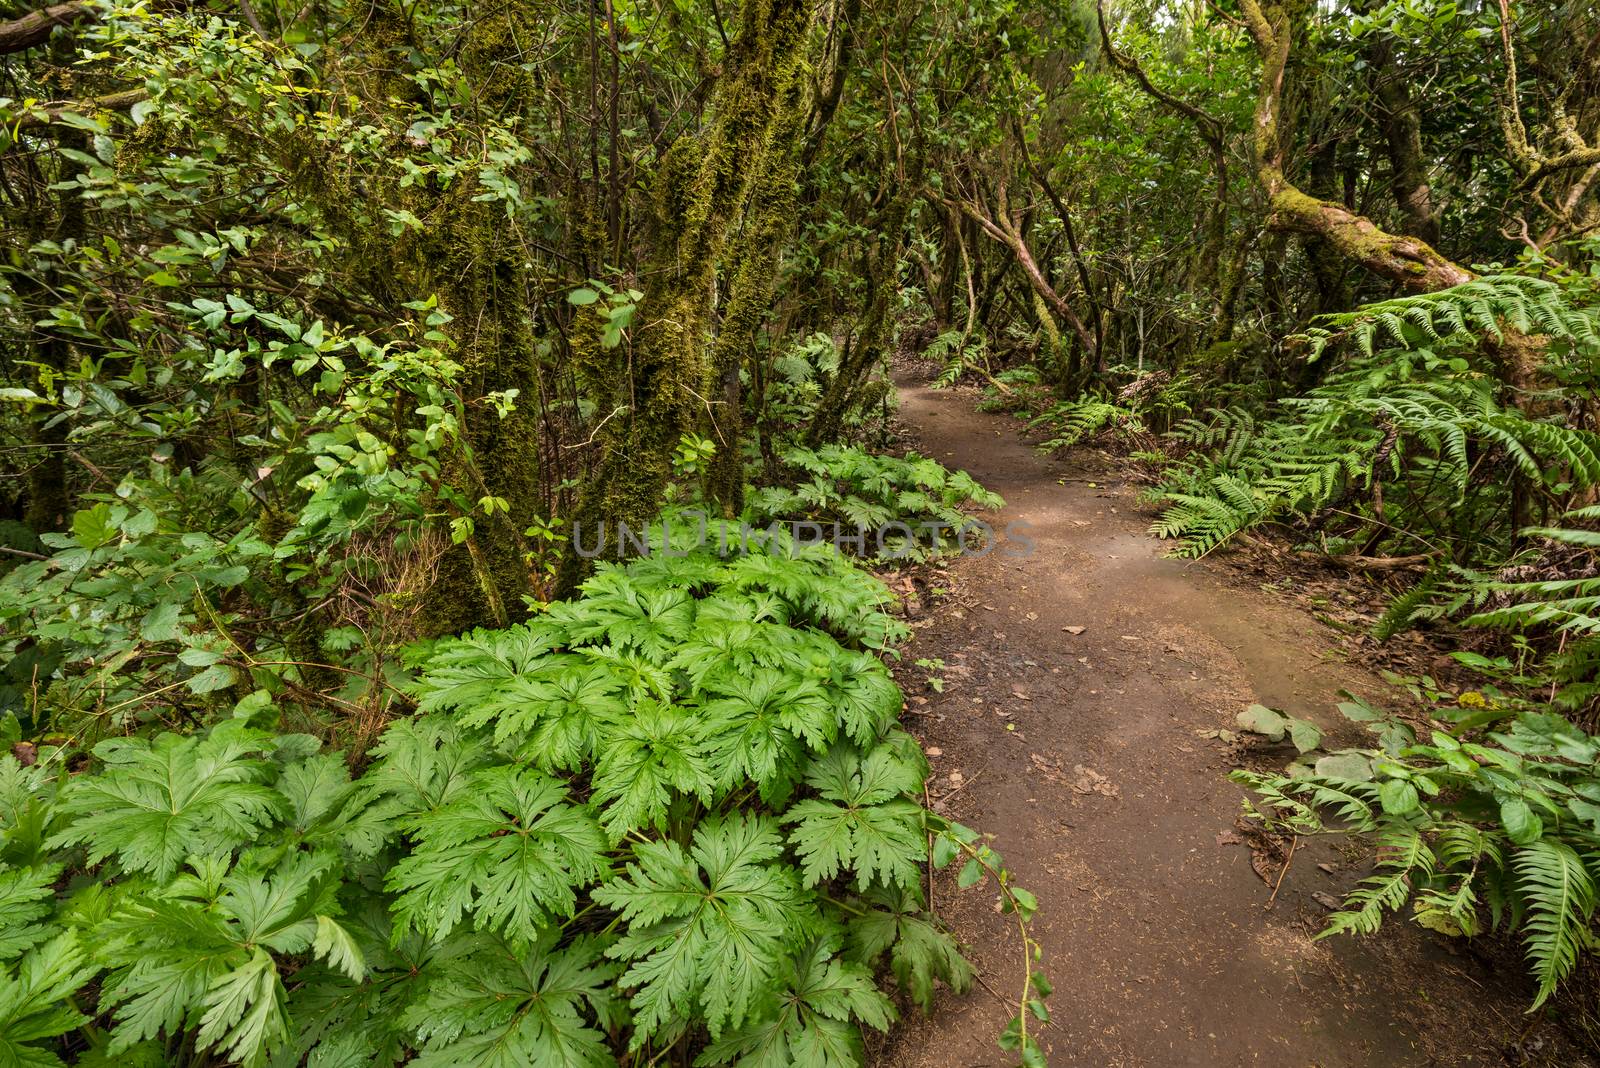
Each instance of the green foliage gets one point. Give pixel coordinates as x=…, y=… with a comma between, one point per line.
x=956, y=353
x=508, y=851
x=132, y=615
x=1073, y=422
x=1424, y=420
x=676, y=812
x=706, y=925
x=36, y=1000
x=494, y=1004
x=161, y=801
x=918, y=952
x=860, y=822
x=858, y=492
x=1484, y=307
x=1148, y=401
x=820, y=997
x=1504, y=823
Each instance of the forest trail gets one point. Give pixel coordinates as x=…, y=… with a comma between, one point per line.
x=1083, y=754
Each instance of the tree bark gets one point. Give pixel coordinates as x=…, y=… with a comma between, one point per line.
x=1402, y=130
x=1000, y=226
x=1409, y=261
x=34, y=28
x=701, y=184
x=753, y=276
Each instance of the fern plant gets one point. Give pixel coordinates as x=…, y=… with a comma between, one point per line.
x=1485, y=306
x=956, y=352
x=1076, y=421
x=1418, y=438
x=1473, y=831
x=1021, y=389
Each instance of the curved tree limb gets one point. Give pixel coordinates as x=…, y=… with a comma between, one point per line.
x=1042, y=179
x=1564, y=147
x=35, y=27
x=44, y=114
x=1211, y=128
x=1409, y=261
x=1000, y=226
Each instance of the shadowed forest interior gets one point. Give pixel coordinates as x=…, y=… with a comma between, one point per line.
x=408, y=652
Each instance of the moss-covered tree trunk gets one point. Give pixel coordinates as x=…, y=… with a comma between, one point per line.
x=753, y=275
x=654, y=382
x=843, y=391
x=476, y=265
x=1409, y=261
x=466, y=255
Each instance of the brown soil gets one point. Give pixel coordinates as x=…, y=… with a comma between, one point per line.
x=1085, y=755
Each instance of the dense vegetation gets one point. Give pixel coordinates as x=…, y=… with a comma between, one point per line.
x=334, y=333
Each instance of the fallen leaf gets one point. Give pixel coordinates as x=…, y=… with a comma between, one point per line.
x=1225, y=838
x=1259, y=719
x=1345, y=766
x=1090, y=781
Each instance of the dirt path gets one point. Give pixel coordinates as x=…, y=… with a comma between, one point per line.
x=1083, y=754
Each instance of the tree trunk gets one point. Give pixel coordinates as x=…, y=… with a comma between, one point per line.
x=754, y=275
x=700, y=186
x=1402, y=131
x=1408, y=261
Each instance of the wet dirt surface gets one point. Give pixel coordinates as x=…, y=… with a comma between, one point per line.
x=1083, y=753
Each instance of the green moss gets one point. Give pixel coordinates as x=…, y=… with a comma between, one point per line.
x=753, y=275
x=471, y=260
x=873, y=335
x=699, y=190
x=1055, y=345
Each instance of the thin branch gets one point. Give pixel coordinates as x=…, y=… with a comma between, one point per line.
x=44, y=114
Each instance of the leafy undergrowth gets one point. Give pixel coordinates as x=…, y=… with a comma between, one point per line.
x=1491, y=823
x=673, y=821
x=903, y=506
x=1413, y=443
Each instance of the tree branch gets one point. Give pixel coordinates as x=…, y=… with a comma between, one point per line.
x=1577, y=158
x=1210, y=127
x=35, y=27
x=45, y=114
x=1000, y=227
x=1409, y=261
